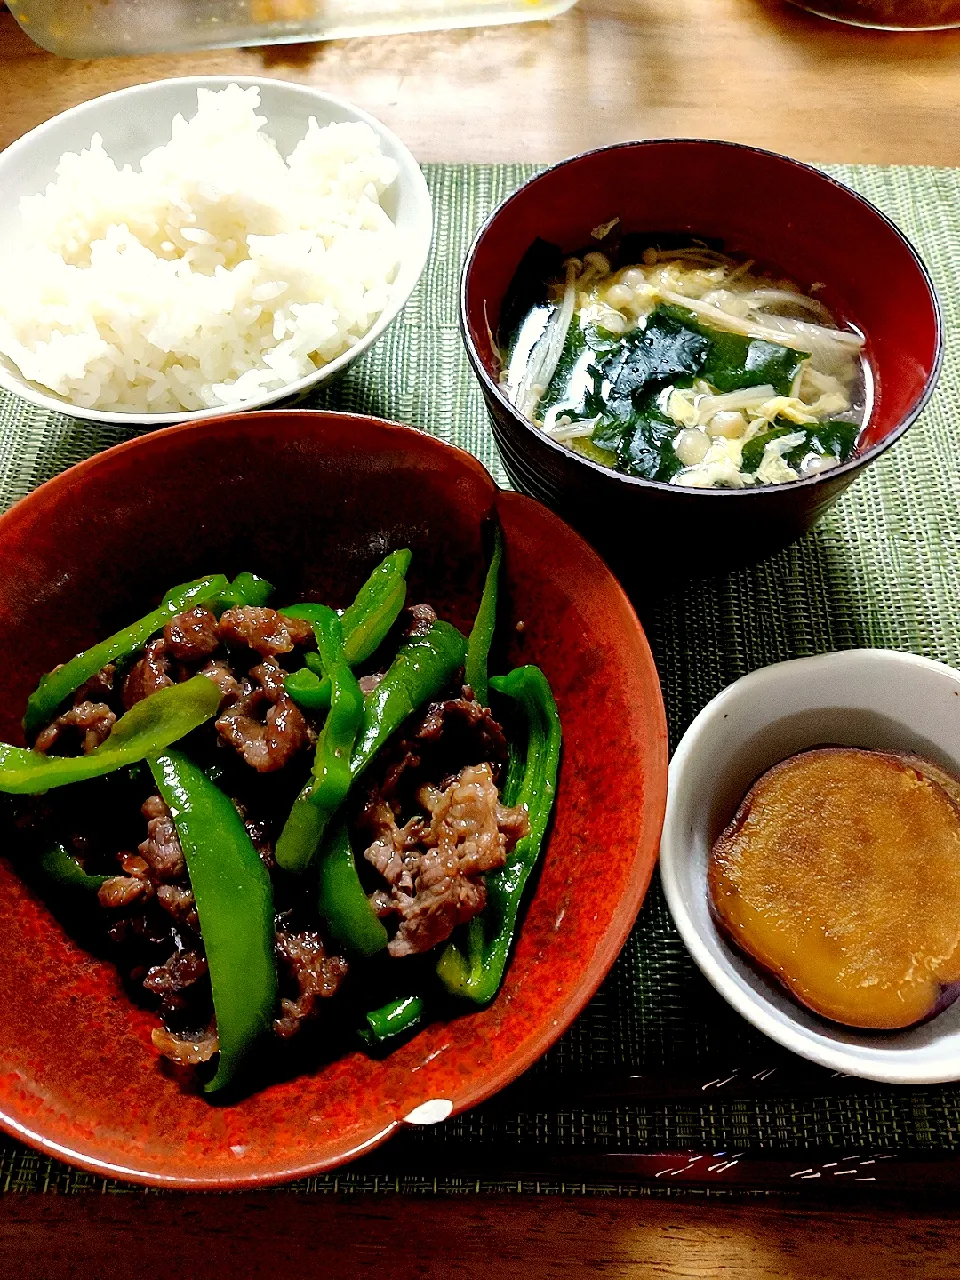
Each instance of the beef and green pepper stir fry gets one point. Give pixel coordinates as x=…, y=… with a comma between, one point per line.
x=265, y=808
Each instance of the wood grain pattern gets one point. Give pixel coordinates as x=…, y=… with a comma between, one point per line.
x=754, y=71
x=473, y=1238
x=757, y=71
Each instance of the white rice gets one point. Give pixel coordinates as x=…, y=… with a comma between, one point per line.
x=216, y=272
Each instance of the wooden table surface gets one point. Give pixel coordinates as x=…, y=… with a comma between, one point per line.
x=753, y=71
x=749, y=70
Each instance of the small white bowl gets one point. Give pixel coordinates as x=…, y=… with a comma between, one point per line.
x=872, y=698
x=132, y=122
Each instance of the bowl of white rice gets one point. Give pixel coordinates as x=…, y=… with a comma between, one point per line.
x=191, y=247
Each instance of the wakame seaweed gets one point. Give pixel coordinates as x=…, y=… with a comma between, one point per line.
x=629, y=373
x=658, y=355
x=645, y=444
x=734, y=362
x=608, y=393
x=625, y=379
x=824, y=439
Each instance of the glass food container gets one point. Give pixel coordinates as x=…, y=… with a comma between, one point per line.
x=889, y=15
x=98, y=28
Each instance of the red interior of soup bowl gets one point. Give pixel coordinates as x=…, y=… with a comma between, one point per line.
x=312, y=501
x=788, y=216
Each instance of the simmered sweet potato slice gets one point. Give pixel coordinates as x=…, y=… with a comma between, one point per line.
x=950, y=784
x=840, y=875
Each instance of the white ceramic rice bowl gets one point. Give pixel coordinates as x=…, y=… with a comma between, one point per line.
x=134, y=121
x=874, y=698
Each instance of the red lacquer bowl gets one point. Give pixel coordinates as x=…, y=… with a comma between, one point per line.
x=790, y=218
x=312, y=500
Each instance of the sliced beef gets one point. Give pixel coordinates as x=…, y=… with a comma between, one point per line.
x=420, y=618
x=433, y=865
x=264, y=724
x=464, y=717
x=263, y=630
x=186, y=1048
x=259, y=832
x=139, y=933
x=87, y=724
x=161, y=849
x=222, y=674
x=192, y=635
x=394, y=849
x=172, y=982
x=120, y=891
x=98, y=688
x=155, y=926
x=148, y=674
x=432, y=819
x=270, y=676
x=179, y=903
x=315, y=975
x=134, y=866
x=88, y=721
x=452, y=734
x=155, y=884
x=435, y=824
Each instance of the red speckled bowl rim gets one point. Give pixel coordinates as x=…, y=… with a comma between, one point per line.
x=491, y=386
x=614, y=935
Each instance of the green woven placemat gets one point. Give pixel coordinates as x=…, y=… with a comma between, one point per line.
x=882, y=569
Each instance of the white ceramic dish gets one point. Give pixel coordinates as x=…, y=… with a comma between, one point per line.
x=861, y=698
x=135, y=120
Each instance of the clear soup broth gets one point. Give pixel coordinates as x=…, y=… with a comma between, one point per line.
x=682, y=365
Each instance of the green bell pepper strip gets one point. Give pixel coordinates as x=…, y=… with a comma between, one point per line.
x=374, y=610
x=365, y=625
x=246, y=588
x=477, y=975
x=149, y=727
x=392, y=1019
x=60, y=870
x=331, y=776
x=376, y=607
x=234, y=899
x=186, y=595
x=351, y=920
x=55, y=687
x=481, y=636
x=331, y=765
x=301, y=834
x=307, y=611
x=421, y=669
x=308, y=690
